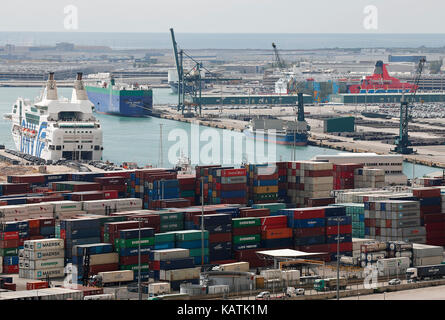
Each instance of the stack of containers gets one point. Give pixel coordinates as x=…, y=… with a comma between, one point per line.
x=357, y=213
x=282, y=181
x=344, y=175
x=144, y=184
x=164, y=240
x=219, y=227
x=111, y=229
x=273, y=207
x=150, y=219
x=431, y=214
x=9, y=244
x=175, y=266
x=202, y=173
x=246, y=233
x=77, y=232
x=262, y=183
x=162, y=189
x=371, y=252
x=369, y=178
x=187, y=186
x=171, y=220
x=66, y=209
x=338, y=226
x=248, y=212
x=127, y=245
x=275, y=233
x=394, y=220
x=425, y=255
x=320, y=202
x=41, y=259
x=116, y=183
x=7, y=189
x=102, y=258
x=192, y=240
x=309, y=228
x=228, y=186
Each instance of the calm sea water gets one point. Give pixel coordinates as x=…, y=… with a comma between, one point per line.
x=138, y=140
x=225, y=40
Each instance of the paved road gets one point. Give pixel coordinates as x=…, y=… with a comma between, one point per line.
x=428, y=293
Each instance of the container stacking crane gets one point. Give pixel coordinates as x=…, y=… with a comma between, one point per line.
x=278, y=61
x=402, y=142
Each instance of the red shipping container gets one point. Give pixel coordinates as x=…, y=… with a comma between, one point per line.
x=113, y=227
x=344, y=247
x=309, y=232
x=246, y=231
x=5, y=244
x=218, y=262
x=435, y=226
x=332, y=230
x=308, y=213
x=118, y=188
x=10, y=270
x=320, y=202
x=318, y=173
x=32, y=179
x=35, y=285
x=133, y=259
x=125, y=174
x=220, y=237
x=233, y=172
x=273, y=176
x=273, y=222
x=108, y=181
x=234, y=201
x=104, y=268
x=154, y=265
x=426, y=192
x=255, y=213
x=433, y=217
x=250, y=256
x=434, y=233
x=87, y=196
x=10, y=286
x=13, y=235
x=436, y=242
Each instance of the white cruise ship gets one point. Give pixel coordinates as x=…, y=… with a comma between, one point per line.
x=54, y=128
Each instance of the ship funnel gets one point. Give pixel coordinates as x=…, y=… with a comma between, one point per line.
x=79, y=92
x=51, y=88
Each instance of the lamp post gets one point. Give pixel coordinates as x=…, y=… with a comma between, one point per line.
x=202, y=221
x=338, y=258
x=139, y=263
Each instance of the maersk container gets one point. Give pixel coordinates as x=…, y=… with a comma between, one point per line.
x=46, y=264
x=43, y=255
x=117, y=276
x=168, y=254
x=44, y=273
x=44, y=244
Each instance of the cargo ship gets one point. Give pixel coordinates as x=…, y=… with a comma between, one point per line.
x=120, y=100
x=278, y=131
x=54, y=128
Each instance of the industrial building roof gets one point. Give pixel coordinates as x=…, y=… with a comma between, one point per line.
x=288, y=253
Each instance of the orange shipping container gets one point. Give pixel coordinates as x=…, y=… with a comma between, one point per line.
x=281, y=233
x=34, y=285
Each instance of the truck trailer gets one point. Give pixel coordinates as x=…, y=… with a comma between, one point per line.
x=436, y=271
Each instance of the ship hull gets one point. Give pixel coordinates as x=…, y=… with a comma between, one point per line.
x=299, y=139
x=125, y=103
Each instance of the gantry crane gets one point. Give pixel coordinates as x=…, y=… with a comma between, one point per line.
x=402, y=142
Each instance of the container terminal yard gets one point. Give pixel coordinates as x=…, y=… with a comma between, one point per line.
x=349, y=226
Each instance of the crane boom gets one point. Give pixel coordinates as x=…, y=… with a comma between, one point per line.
x=175, y=50
x=280, y=63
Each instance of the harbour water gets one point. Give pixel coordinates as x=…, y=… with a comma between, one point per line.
x=138, y=139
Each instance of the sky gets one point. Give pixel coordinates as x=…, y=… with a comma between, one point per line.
x=225, y=16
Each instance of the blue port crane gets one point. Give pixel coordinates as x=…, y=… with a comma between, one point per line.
x=402, y=142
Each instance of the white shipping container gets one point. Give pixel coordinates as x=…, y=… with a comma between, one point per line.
x=271, y=274
x=168, y=254
x=423, y=250
x=42, y=255
x=128, y=203
x=67, y=214
x=14, y=210
x=426, y=261
x=36, y=208
x=290, y=275
x=159, y=288
x=180, y=274
x=44, y=244
x=45, y=264
x=393, y=263
x=105, y=296
x=66, y=206
x=105, y=258
x=38, y=274
x=117, y=276
x=97, y=205
x=237, y=266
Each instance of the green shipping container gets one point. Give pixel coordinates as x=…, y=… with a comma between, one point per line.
x=134, y=267
x=165, y=237
x=274, y=207
x=168, y=217
x=190, y=235
x=174, y=226
x=265, y=196
x=253, y=238
x=198, y=252
x=133, y=243
x=187, y=193
x=9, y=252
x=246, y=222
